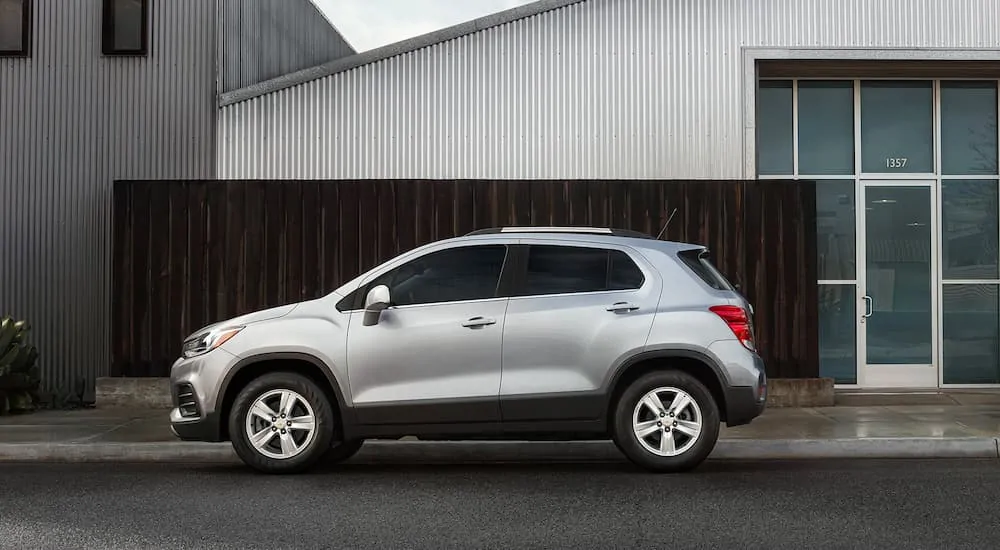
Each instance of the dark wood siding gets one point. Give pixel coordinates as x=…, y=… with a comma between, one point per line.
x=190, y=253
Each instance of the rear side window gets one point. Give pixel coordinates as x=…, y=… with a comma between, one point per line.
x=699, y=262
x=571, y=269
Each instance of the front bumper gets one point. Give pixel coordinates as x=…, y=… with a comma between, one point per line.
x=205, y=428
x=194, y=389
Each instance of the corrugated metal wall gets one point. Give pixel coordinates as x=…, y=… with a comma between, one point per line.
x=262, y=39
x=72, y=122
x=599, y=89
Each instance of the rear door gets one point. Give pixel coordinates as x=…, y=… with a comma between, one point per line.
x=575, y=310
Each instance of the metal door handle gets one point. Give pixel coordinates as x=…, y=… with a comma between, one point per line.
x=623, y=306
x=479, y=322
x=869, y=307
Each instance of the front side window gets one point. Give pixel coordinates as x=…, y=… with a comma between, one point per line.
x=125, y=27
x=452, y=275
x=570, y=269
x=15, y=28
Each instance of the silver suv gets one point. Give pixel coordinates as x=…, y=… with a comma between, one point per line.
x=512, y=333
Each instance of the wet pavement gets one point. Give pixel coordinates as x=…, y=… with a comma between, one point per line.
x=971, y=415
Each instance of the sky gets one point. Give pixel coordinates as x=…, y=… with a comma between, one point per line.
x=368, y=24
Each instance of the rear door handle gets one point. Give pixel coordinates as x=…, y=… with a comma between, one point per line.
x=623, y=306
x=479, y=322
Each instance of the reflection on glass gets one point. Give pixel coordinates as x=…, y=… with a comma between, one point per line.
x=826, y=127
x=969, y=229
x=897, y=127
x=970, y=326
x=11, y=24
x=128, y=24
x=838, y=333
x=774, y=127
x=969, y=127
x=835, y=239
x=898, y=278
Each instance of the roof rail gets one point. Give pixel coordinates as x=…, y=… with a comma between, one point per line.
x=554, y=229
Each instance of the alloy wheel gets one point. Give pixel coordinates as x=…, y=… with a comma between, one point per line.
x=667, y=421
x=280, y=424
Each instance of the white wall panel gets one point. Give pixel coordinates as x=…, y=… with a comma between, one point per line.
x=598, y=89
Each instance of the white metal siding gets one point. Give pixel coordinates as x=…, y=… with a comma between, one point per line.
x=262, y=39
x=72, y=122
x=600, y=89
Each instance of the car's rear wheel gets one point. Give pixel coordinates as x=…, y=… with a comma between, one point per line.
x=666, y=421
x=281, y=423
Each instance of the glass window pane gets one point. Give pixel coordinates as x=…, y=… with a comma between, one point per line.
x=826, y=127
x=897, y=127
x=969, y=127
x=898, y=275
x=969, y=229
x=970, y=327
x=128, y=24
x=453, y=275
x=774, y=127
x=623, y=273
x=11, y=25
x=838, y=320
x=566, y=269
x=835, y=240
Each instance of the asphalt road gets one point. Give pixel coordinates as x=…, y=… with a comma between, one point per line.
x=726, y=505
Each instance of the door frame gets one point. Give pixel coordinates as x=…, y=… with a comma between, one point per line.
x=908, y=376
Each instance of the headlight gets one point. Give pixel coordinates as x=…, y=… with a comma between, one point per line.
x=205, y=342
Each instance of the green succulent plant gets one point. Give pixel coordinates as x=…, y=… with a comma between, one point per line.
x=19, y=375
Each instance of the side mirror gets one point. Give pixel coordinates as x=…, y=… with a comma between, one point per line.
x=376, y=301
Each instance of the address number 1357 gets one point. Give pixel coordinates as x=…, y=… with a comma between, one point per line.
x=895, y=162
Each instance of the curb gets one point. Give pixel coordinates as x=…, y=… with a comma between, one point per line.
x=464, y=452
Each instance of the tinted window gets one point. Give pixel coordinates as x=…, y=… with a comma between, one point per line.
x=623, y=273
x=897, y=126
x=453, y=275
x=14, y=27
x=826, y=127
x=774, y=127
x=568, y=269
x=969, y=127
x=698, y=261
x=125, y=26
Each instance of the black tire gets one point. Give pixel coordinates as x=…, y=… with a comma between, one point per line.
x=312, y=452
x=343, y=450
x=627, y=440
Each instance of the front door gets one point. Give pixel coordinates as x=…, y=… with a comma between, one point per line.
x=897, y=310
x=433, y=358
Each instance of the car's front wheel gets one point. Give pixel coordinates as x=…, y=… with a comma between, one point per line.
x=281, y=423
x=666, y=421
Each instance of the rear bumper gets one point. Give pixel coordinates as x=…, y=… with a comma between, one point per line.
x=744, y=403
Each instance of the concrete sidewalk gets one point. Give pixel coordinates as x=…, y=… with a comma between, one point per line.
x=884, y=431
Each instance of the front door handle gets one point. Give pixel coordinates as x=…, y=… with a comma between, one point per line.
x=623, y=306
x=479, y=322
x=869, y=307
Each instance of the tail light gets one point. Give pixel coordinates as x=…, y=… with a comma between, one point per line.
x=739, y=322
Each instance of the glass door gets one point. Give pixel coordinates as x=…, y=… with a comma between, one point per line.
x=898, y=317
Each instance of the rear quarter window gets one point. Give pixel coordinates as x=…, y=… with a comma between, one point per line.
x=699, y=262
